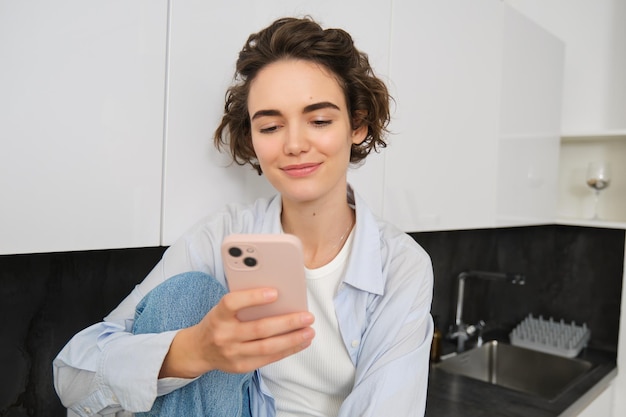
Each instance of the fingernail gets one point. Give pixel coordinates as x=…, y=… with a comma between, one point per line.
x=270, y=294
x=306, y=318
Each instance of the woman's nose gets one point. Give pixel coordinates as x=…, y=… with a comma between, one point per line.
x=296, y=140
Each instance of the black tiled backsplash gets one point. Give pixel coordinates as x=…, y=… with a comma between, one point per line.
x=44, y=300
x=572, y=272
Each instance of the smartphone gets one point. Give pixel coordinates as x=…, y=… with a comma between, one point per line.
x=266, y=260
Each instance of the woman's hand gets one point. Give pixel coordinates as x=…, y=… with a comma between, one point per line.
x=221, y=341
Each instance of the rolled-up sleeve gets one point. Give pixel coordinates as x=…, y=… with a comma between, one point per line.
x=105, y=368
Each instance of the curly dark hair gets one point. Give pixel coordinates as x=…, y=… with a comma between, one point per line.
x=367, y=97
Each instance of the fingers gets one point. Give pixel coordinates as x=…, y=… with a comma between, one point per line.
x=231, y=303
x=235, y=301
x=221, y=341
x=241, y=349
x=277, y=325
x=255, y=354
x=284, y=344
x=275, y=338
x=231, y=345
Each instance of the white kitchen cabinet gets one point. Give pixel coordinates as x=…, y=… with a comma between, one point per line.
x=602, y=405
x=445, y=68
x=530, y=121
x=81, y=122
x=594, y=92
x=477, y=125
x=107, y=141
x=594, y=102
x=205, y=41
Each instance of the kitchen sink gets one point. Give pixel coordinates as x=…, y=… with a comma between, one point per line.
x=517, y=368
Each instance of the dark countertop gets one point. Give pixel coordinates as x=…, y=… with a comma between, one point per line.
x=458, y=396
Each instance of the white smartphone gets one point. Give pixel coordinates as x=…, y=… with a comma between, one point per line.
x=266, y=260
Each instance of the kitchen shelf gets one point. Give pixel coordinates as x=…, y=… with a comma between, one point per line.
x=575, y=199
x=594, y=136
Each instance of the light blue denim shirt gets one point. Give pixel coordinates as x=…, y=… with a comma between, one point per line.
x=382, y=306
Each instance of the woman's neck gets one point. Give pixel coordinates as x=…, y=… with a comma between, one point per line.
x=323, y=230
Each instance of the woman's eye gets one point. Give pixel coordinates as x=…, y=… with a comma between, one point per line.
x=319, y=123
x=268, y=129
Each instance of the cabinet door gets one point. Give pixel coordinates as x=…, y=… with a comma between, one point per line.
x=530, y=110
x=527, y=180
x=205, y=40
x=445, y=68
x=602, y=405
x=594, y=96
x=81, y=124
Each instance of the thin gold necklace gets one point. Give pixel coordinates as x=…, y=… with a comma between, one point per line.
x=337, y=247
x=340, y=242
x=345, y=233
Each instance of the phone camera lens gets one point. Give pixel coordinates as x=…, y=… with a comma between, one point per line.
x=249, y=261
x=235, y=252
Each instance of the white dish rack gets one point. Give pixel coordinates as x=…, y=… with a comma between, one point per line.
x=549, y=336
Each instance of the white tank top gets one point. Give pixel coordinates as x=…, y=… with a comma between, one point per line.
x=316, y=381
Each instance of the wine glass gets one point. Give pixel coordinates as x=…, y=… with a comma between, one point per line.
x=598, y=178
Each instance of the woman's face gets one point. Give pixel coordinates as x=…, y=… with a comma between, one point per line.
x=301, y=130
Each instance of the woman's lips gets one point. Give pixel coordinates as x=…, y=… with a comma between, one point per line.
x=300, y=170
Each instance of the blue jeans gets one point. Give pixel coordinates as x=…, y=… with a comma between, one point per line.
x=180, y=302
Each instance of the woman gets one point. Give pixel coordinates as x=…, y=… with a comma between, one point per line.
x=305, y=105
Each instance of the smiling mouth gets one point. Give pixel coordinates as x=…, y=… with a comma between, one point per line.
x=300, y=170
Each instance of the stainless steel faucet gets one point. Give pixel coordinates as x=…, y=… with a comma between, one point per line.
x=462, y=331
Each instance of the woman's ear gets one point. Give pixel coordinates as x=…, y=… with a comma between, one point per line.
x=359, y=127
x=359, y=134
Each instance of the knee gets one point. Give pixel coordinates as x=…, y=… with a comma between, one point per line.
x=180, y=301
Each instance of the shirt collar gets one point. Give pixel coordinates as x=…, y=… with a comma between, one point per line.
x=364, y=269
x=365, y=266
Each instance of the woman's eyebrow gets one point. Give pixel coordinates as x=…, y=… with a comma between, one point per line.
x=308, y=109
x=320, y=105
x=262, y=113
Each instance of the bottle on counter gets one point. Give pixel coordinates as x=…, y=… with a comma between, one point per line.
x=435, y=347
